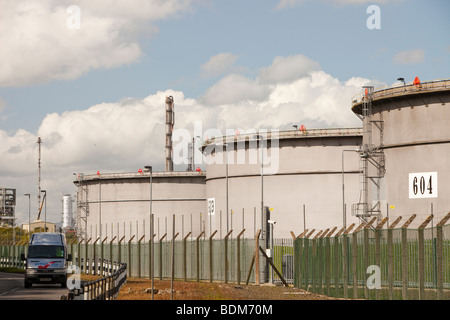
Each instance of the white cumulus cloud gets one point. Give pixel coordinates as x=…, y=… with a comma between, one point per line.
x=412, y=56
x=41, y=46
x=235, y=88
x=286, y=69
x=219, y=64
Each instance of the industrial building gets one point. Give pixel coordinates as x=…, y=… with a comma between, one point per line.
x=39, y=225
x=395, y=164
x=7, y=206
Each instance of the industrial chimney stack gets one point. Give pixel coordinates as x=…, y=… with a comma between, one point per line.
x=170, y=120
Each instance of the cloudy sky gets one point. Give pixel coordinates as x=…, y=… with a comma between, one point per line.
x=90, y=77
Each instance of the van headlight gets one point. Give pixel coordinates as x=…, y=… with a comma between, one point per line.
x=60, y=270
x=31, y=271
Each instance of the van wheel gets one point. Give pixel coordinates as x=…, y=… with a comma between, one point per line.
x=64, y=284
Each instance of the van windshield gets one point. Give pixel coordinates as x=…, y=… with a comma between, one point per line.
x=46, y=252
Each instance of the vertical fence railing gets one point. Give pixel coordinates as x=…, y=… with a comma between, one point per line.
x=374, y=262
x=199, y=258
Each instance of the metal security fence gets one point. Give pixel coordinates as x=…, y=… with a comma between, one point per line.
x=283, y=259
x=197, y=259
x=10, y=255
x=105, y=288
x=376, y=263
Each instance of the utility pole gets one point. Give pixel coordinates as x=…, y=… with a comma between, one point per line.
x=39, y=141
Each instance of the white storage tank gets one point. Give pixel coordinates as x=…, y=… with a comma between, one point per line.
x=67, y=212
x=301, y=180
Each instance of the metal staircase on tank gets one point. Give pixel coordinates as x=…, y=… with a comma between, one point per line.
x=82, y=208
x=372, y=162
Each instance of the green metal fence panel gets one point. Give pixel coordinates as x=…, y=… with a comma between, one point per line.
x=407, y=261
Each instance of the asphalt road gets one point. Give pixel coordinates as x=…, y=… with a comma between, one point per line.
x=11, y=288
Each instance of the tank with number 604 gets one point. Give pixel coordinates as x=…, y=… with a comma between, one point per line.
x=407, y=126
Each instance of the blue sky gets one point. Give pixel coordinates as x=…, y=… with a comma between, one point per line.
x=224, y=62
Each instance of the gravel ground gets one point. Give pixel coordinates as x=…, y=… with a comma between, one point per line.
x=140, y=289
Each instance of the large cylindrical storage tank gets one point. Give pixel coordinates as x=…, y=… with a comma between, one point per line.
x=414, y=134
x=118, y=204
x=67, y=212
x=302, y=180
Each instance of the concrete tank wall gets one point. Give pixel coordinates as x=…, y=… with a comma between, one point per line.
x=120, y=203
x=309, y=173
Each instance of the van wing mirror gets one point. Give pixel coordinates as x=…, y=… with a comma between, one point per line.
x=22, y=256
x=69, y=257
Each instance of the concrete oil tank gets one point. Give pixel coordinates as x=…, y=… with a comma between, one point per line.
x=413, y=131
x=301, y=180
x=118, y=204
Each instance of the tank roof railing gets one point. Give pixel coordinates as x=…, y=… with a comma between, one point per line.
x=404, y=89
x=284, y=134
x=124, y=175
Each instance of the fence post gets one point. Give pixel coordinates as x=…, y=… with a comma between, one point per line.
x=303, y=255
x=11, y=254
x=308, y=252
x=405, y=257
x=111, y=252
x=328, y=261
x=86, y=249
x=79, y=254
x=322, y=260
x=198, y=255
x=94, y=254
x=440, y=257
x=129, y=255
x=238, y=260
x=315, y=269
x=366, y=253
x=335, y=262
x=161, y=255
x=355, y=259
x=298, y=260
x=378, y=230
x=321, y=251
x=390, y=246
x=139, y=256
x=257, y=280
x=102, y=256
x=172, y=277
x=151, y=253
x=211, y=256
x=226, y=255
x=421, y=249
x=119, y=249
x=345, y=259
x=185, y=256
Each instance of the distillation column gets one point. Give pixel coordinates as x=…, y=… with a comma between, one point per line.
x=170, y=120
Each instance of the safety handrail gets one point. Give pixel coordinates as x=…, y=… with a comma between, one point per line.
x=402, y=89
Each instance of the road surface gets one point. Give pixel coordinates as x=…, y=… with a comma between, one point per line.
x=11, y=288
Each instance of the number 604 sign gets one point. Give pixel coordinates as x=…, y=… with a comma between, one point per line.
x=423, y=185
